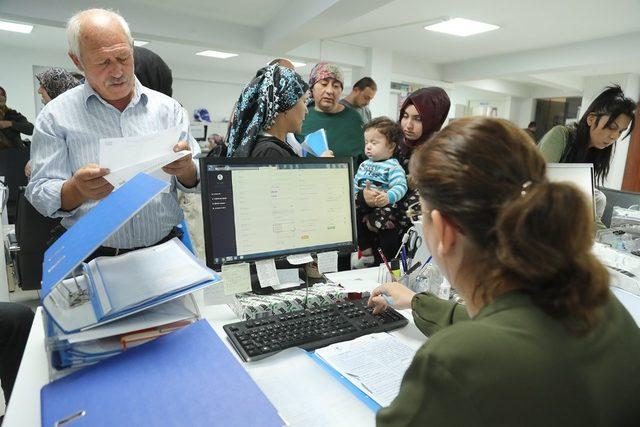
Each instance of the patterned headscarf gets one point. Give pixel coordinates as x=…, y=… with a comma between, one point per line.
x=56, y=81
x=325, y=70
x=275, y=89
x=433, y=105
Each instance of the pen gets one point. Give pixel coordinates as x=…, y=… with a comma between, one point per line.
x=405, y=267
x=425, y=263
x=386, y=263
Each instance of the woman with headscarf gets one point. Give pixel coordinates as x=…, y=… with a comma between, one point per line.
x=270, y=106
x=55, y=81
x=342, y=125
x=421, y=115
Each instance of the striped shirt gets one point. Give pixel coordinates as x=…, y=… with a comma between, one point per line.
x=385, y=175
x=66, y=138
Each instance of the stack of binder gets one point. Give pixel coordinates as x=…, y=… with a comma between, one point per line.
x=96, y=310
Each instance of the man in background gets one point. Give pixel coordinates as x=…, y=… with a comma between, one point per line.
x=531, y=131
x=361, y=95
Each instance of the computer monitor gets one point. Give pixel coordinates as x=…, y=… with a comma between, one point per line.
x=580, y=174
x=258, y=209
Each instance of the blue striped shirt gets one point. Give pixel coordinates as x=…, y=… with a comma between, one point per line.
x=385, y=175
x=66, y=138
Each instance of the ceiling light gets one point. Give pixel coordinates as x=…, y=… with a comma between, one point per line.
x=216, y=54
x=139, y=42
x=461, y=27
x=298, y=64
x=16, y=28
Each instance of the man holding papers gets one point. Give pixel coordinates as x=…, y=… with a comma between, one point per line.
x=112, y=107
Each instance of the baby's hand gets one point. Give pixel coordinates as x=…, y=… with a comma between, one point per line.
x=382, y=199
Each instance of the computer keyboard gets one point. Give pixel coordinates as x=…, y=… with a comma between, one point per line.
x=309, y=329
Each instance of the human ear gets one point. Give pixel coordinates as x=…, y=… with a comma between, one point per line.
x=591, y=119
x=76, y=61
x=446, y=232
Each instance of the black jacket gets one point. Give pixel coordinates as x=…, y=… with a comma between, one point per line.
x=20, y=125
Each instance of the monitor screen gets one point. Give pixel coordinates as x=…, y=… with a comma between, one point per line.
x=256, y=209
x=580, y=174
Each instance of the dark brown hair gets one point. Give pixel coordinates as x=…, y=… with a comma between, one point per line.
x=488, y=178
x=388, y=128
x=364, y=83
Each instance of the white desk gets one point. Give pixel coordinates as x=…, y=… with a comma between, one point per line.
x=303, y=393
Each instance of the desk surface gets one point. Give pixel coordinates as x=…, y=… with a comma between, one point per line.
x=279, y=376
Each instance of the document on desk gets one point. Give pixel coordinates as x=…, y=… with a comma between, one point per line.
x=373, y=363
x=128, y=156
x=236, y=278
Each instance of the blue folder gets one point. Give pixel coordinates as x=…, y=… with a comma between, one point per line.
x=186, y=378
x=95, y=227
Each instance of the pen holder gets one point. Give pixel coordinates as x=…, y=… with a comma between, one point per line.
x=383, y=274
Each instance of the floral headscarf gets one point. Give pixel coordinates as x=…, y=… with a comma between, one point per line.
x=275, y=89
x=56, y=81
x=325, y=70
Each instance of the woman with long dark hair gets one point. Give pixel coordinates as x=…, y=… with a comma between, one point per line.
x=541, y=340
x=593, y=138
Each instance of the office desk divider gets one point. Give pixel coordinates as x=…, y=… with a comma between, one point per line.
x=81, y=300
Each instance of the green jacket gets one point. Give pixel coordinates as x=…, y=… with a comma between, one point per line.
x=514, y=365
x=344, y=131
x=554, y=142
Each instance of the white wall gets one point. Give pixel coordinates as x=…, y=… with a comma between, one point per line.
x=217, y=97
x=16, y=75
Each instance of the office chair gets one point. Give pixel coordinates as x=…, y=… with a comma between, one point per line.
x=624, y=199
x=33, y=232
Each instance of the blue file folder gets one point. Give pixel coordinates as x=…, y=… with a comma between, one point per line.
x=186, y=378
x=95, y=227
x=80, y=300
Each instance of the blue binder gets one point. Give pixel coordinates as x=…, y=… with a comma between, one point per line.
x=72, y=298
x=186, y=378
x=95, y=227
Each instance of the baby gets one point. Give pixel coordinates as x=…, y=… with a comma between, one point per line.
x=380, y=171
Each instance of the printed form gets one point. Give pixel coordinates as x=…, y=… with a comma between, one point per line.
x=374, y=363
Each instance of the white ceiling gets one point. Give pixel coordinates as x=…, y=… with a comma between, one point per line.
x=524, y=25
x=262, y=29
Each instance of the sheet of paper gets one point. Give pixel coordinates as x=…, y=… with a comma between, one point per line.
x=328, y=262
x=128, y=156
x=214, y=295
x=334, y=404
x=236, y=278
x=267, y=274
x=299, y=259
x=120, y=176
x=374, y=363
x=289, y=278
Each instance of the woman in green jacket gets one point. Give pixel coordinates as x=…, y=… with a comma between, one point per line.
x=592, y=139
x=541, y=340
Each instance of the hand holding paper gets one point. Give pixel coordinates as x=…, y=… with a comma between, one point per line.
x=183, y=167
x=126, y=157
x=87, y=183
